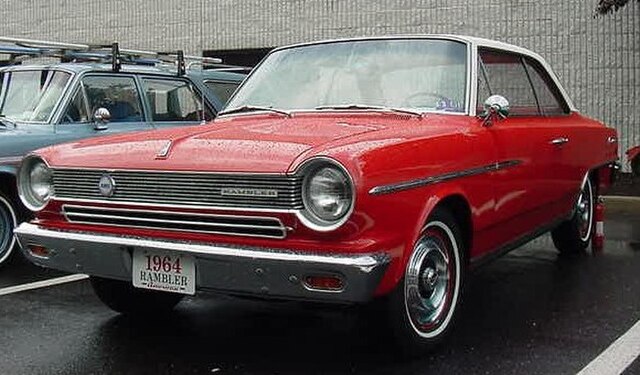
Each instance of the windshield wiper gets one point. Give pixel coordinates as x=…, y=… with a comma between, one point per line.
x=374, y=107
x=4, y=120
x=252, y=108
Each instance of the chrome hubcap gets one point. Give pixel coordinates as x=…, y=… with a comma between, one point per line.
x=584, y=211
x=427, y=283
x=429, y=278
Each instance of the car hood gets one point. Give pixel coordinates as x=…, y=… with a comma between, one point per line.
x=265, y=143
x=23, y=138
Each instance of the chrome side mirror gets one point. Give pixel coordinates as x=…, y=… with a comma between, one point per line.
x=101, y=117
x=496, y=107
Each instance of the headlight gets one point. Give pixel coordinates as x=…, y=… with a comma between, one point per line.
x=35, y=183
x=327, y=194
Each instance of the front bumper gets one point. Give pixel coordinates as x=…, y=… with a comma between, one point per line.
x=273, y=273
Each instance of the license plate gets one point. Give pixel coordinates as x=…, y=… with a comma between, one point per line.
x=168, y=272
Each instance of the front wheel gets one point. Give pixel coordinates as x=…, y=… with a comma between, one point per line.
x=123, y=297
x=573, y=236
x=8, y=221
x=423, y=306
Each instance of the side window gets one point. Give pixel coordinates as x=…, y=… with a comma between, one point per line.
x=77, y=108
x=550, y=100
x=222, y=90
x=117, y=94
x=507, y=76
x=174, y=100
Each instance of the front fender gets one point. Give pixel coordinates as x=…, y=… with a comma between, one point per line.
x=434, y=195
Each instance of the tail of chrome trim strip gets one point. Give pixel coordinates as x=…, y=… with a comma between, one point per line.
x=392, y=188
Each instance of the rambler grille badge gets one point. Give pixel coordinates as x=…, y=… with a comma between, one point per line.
x=107, y=185
x=242, y=192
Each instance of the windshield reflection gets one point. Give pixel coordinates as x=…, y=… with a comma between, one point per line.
x=412, y=74
x=32, y=95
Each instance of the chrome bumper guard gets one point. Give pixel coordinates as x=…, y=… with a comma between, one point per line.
x=261, y=272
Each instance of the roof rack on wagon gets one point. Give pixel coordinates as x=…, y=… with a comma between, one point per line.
x=20, y=49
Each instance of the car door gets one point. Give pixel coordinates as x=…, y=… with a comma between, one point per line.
x=524, y=192
x=173, y=102
x=564, y=135
x=118, y=94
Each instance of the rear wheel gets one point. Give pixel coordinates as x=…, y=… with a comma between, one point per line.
x=123, y=297
x=573, y=236
x=423, y=306
x=8, y=221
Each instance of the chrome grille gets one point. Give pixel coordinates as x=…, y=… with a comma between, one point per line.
x=189, y=189
x=177, y=221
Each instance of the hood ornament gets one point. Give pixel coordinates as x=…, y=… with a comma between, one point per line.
x=164, y=151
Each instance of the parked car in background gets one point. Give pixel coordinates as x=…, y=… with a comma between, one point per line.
x=633, y=156
x=47, y=104
x=348, y=171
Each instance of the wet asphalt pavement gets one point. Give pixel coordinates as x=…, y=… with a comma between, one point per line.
x=531, y=311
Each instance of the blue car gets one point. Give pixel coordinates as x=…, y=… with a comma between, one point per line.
x=41, y=105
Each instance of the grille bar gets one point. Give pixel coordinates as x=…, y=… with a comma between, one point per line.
x=177, y=221
x=276, y=191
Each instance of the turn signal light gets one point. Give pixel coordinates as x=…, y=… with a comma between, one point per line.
x=324, y=282
x=39, y=250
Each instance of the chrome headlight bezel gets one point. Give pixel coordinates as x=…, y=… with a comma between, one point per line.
x=29, y=197
x=308, y=216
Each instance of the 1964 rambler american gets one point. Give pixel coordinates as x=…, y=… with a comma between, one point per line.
x=343, y=171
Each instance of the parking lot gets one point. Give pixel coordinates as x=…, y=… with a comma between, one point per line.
x=529, y=312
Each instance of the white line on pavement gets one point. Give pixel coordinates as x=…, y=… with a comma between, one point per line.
x=42, y=284
x=618, y=356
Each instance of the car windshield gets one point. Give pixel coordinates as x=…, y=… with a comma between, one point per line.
x=418, y=74
x=31, y=95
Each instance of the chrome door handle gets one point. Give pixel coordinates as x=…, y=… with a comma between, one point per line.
x=612, y=140
x=559, y=141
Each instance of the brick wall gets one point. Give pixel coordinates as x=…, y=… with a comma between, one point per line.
x=598, y=60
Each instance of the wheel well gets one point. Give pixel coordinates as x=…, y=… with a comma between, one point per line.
x=594, y=177
x=8, y=184
x=9, y=188
x=461, y=210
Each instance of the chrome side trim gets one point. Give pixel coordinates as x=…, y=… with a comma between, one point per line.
x=412, y=184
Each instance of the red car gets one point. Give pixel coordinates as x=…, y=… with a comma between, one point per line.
x=347, y=171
